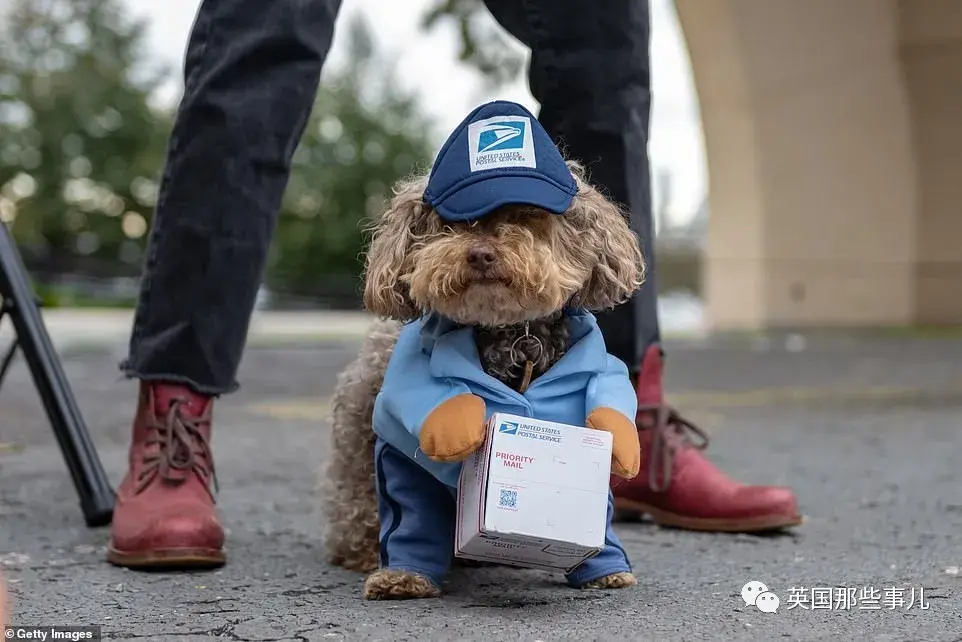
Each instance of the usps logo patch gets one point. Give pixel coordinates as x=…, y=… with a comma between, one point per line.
x=501, y=136
x=501, y=141
x=508, y=427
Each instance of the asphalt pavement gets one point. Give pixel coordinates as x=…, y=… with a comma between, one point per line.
x=868, y=431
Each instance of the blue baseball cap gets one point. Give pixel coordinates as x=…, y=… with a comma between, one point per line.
x=499, y=155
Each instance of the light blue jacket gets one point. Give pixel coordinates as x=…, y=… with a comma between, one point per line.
x=435, y=359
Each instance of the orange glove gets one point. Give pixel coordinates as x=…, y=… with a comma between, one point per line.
x=455, y=429
x=625, y=449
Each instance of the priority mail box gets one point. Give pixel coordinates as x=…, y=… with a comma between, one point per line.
x=536, y=495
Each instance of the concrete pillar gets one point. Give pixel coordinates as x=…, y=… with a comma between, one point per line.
x=931, y=56
x=812, y=183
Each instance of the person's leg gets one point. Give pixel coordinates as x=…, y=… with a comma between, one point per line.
x=592, y=77
x=592, y=80
x=251, y=75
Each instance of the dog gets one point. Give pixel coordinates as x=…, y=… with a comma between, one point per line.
x=508, y=277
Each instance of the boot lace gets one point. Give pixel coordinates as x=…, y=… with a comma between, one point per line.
x=182, y=449
x=670, y=433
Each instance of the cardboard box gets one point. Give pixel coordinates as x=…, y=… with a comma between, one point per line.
x=536, y=495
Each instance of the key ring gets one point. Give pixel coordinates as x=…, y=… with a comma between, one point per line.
x=514, y=348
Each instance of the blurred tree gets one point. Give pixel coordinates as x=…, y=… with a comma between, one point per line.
x=484, y=45
x=80, y=147
x=81, y=150
x=364, y=134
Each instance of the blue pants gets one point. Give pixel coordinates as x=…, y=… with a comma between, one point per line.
x=418, y=515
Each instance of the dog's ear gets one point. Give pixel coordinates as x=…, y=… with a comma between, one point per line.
x=613, y=248
x=389, y=263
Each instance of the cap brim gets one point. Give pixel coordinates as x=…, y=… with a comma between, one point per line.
x=498, y=191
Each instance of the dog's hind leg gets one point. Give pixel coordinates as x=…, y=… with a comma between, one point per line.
x=348, y=495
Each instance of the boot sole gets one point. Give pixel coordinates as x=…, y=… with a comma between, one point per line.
x=168, y=558
x=632, y=511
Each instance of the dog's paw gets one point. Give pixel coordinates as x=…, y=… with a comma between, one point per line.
x=388, y=584
x=613, y=581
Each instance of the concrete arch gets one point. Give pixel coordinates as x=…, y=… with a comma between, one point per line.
x=833, y=133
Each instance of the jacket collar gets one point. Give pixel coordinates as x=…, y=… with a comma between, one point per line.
x=454, y=354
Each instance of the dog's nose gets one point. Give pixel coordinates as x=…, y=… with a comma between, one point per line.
x=481, y=257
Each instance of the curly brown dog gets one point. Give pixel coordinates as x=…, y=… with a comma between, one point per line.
x=539, y=263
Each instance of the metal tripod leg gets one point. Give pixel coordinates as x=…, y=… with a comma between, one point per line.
x=96, y=494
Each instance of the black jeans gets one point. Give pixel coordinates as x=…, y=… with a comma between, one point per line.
x=251, y=74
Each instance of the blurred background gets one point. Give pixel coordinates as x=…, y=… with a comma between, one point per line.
x=88, y=90
x=831, y=132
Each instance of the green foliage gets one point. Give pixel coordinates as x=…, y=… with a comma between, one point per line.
x=483, y=44
x=79, y=145
x=81, y=150
x=59, y=296
x=364, y=135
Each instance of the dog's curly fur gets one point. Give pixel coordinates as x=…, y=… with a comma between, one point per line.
x=386, y=584
x=509, y=275
x=348, y=490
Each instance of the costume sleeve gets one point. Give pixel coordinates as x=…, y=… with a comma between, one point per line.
x=612, y=389
x=410, y=392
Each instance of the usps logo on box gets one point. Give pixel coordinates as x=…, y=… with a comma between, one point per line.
x=532, y=429
x=508, y=428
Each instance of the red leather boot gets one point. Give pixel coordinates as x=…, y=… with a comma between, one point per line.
x=678, y=486
x=164, y=515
